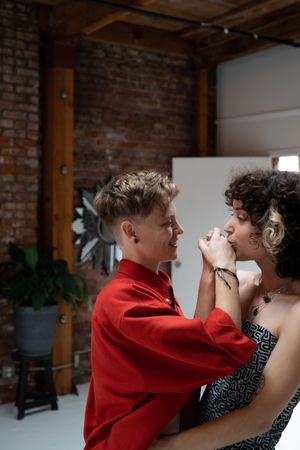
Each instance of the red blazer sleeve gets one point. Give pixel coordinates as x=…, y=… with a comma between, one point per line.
x=177, y=354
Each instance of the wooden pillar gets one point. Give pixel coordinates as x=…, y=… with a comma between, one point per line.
x=58, y=187
x=204, y=145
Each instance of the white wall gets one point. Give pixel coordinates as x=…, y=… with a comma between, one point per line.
x=258, y=104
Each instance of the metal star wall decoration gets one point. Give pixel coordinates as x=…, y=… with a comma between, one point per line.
x=94, y=237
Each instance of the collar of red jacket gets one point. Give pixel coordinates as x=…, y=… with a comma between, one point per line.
x=160, y=281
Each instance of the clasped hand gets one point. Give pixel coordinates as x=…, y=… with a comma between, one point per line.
x=216, y=250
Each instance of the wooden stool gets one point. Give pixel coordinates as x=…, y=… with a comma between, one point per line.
x=47, y=395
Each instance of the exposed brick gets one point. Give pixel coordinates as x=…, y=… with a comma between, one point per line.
x=6, y=51
x=7, y=178
x=13, y=151
x=24, y=232
x=27, y=107
x=5, y=69
x=26, y=143
x=14, y=132
x=6, y=160
x=6, y=214
x=6, y=196
x=14, y=115
x=6, y=123
x=25, y=197
x=25, y=90
x=5, y=141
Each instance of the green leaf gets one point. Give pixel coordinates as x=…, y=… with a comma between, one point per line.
x=70, y=285
x=60, y=267
x=84, y=288
x=70, y=299
x=31, y=257
x=38, y=300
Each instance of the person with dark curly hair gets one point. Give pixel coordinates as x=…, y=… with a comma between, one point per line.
x=250, y=408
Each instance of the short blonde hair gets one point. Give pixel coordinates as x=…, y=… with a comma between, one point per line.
x=134, y=194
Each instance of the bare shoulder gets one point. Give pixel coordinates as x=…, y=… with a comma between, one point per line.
x=294, y=312
x=292, y=318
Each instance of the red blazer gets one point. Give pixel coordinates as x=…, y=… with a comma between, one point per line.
x=147, y=358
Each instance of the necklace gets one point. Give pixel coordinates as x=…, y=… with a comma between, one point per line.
x=267, y=297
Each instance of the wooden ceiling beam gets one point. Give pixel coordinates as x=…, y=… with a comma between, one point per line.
x=82, y=17
x=269, y=18
x=113, y=17
x=144, y=38
x=239, y=16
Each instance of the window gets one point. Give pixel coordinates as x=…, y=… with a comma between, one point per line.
x=288, y=163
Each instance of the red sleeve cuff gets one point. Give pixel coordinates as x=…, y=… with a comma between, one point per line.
x=225, y=333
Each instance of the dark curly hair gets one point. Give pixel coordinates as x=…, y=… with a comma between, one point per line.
x=272, y=200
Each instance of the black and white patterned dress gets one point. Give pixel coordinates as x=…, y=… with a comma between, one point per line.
x=238, y=389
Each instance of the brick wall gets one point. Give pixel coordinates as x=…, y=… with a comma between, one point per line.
x=19, y=146
x=133, y=110
x=19, y=123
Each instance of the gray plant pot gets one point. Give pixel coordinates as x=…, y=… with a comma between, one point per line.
x=35, y=330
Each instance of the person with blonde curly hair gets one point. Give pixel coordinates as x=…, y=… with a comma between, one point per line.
x=250, y=408
x=146, y=357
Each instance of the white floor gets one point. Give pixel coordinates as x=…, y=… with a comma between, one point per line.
x=45, y=430
x=62, y=429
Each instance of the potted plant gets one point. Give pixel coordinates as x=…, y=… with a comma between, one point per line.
x=34, y=283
